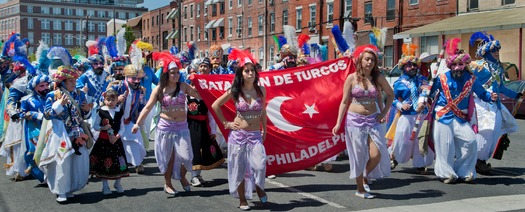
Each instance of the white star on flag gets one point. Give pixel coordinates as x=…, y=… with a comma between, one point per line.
x=310, y=110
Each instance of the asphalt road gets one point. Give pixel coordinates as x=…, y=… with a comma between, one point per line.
x=298, y=191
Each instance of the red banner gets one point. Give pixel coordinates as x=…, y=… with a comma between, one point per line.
x=302, y=106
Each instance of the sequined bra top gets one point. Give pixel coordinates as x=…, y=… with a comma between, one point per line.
x=248, y=111
x=362, y=96
x=173, y=104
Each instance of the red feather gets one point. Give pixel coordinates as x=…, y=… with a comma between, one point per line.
x=362, y=48
x=166, y=59
x=302, y=39
x=93, y=50
x=242, y=57
x=452, y=46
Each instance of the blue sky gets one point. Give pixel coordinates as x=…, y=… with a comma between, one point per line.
x=154, y=4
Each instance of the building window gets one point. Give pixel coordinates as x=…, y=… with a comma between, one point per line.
x=57, y=39
x=260, y=24
x=185, y=34
x=91, y=37
x=205, y=34
x=185, y=12
x=348, y=7
x=69, y=40
x=102, y=14
x=29, y=23
x=330, y=13
x=101, y=27
x=191, y=11
x=198, y=33
x=31, y=36
x=191, y=32
x=270, y=51
x=91, y=13
x=429, y=44
x=30, y=9
x=80, y=25
x=250, y=26
x=57, y=25
x=46, y=37
x=164, y=40
x=261, y=55
x=80, y=12
x=272, y=22
x=91, y=26
x=473, y=4
x=285, y=17
x=110, y=14
x=299, y=18
x=239, y=3
x=390, y=10
x=413, y=2
x=389, y=56
x=313, y=12
x=221, y=8
x=57, y=11
x=198, y=10
x=68, y=11
x=230, y=26
x=68, y=25
x=214, y=10
x=44, y=10
x=368, y=12
x=249, y=2
x=221, y=32
x=230, y=4
x=506, y=2
x=239, y=26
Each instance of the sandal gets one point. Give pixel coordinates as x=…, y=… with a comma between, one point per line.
x=365, y=195
x=245, y=207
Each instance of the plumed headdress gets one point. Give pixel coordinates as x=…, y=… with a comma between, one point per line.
x=279, y=41
x=116, y=48
x=368, y=47
x=95, y=51
x=304, y=54
x=486, y=45
x=174, y=50
x=409, y=55
x=192, y=49
x=455, y=55
x=37, y=80
x=135, y=55
x=167, y=60
x=21, y=64
x=65, y=71
x=242, y=57
x=14, y=47
x=41, y=57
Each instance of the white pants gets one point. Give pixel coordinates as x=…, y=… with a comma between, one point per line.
x=177, y=143
x=403, y=148
x=456, y=150
x=246, y=162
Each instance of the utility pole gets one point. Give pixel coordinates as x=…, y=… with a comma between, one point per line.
x=114, y=20
x=87, y=33
x=265, y=41
x=180, y=24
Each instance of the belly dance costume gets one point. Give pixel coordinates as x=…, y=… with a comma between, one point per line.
x=173, y=137
x=359, y=128
x=246, y=153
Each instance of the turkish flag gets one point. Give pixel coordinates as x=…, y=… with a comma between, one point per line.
x=302, y=107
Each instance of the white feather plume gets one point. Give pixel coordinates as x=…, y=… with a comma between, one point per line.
x=91, y=43
x=43, y=46
x=382, y=38
x=289, y=34
x=348, y=35
x=135, y=56
x=121, y=42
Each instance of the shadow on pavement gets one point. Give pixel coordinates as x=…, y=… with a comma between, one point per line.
x=430, y=193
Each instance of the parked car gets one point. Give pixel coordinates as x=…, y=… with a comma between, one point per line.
x=392, y=75
x=517, y=86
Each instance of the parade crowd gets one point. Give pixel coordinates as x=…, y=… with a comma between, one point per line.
x=67, y=118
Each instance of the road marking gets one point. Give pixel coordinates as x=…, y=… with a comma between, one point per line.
x=311, y=196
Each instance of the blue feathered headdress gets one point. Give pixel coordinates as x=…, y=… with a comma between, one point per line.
x=15, y=47
x=61, y=53
x=27, y=65
x=487, y=44
x=41, y=57
x=174, y=50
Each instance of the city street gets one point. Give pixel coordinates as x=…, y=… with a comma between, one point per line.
x=504, y=189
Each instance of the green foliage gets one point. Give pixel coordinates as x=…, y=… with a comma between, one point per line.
x=32, y=57
x=79, y=50
x=130, y=38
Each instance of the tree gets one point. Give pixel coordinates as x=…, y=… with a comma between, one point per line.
x=128, y=35
x=79, y=50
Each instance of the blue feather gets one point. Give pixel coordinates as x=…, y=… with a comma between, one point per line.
x=174, y=50
x=191, y=51
x=7, y=44
x=324, y=52
x=373, y=39
x=111, y=44
x=339, y=39
x=479, y=35
x=44, y=62
x=29, y=68
x=306, y=49
x=100, y=45
x=282, y=41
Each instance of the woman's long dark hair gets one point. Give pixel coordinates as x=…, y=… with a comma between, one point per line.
x=163, y=83
x=374, y=73
x=238, y=82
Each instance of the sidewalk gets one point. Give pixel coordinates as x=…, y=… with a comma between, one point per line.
x=496, y=203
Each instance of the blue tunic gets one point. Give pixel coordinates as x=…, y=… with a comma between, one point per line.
x=402, y=91
x=456, y=86
x=484, y=70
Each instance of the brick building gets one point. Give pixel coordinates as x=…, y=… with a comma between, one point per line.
x=251, y=24
x=63, y=22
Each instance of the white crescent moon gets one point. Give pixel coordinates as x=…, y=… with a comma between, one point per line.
x=273, y=110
